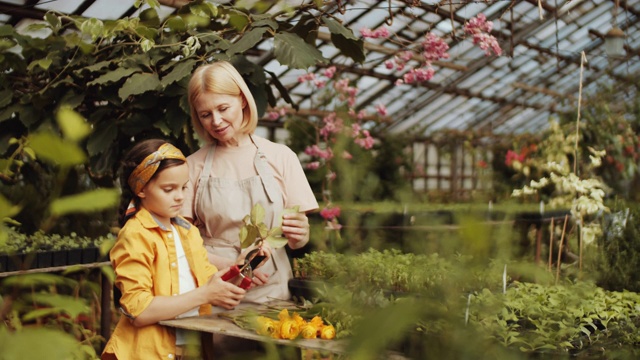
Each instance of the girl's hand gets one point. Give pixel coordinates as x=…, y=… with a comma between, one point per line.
x=222, y=293
x=259, y=278
x=295, y=227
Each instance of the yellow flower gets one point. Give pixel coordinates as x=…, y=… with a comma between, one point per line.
x=317, y=322
x=328, y=332
x=298, y=319
x=309, y=331
x=289, y=329
x=265, y=326
x=283, y=315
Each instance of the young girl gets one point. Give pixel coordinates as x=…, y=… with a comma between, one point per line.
x=160, y=262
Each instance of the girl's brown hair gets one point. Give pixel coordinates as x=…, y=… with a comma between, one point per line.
x=130, y=161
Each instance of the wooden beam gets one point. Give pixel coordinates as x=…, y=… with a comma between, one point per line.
x=541, y=90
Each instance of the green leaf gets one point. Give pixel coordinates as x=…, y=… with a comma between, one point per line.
x=395, y=319
x=276, y=242
x=6, y=96
x=139, y=84
x=113, y=76
x=29, y=280
x=55, y=150
x=68, y=304
x=42, y=63
x=252, y=235
x=6, y=44
x=290, y=50
x=95, y=200
x=336, y=28
x=6, y=30
x=179, y=72
x=92, y=27
x=7, y=209
x=275, y=231
x=150, y=17
x=51, y=344
x=102, y=138
x=292, y=210
x=176, y=24
x=257, y=214
x=74, y=127
x=351, y=48
x=247, y=41
x=40, y=313
x=263, y=230
x=266, y=22
x=53, y=20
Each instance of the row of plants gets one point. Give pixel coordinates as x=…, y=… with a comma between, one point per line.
x=434, y=304
x=39, y=250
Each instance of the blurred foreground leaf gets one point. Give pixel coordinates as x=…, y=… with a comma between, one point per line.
x=37, y=343
x=95, y=200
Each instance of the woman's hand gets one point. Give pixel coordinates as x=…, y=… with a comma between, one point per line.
x=222, y=293
x=295, y=227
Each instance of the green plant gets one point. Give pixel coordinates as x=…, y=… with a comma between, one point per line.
x=127, y=78
x=254, y=231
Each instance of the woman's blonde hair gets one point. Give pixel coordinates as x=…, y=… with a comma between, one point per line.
x=221, y=78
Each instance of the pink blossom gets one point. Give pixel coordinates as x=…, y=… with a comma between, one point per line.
x=362, y=114
x=316, y=151
x=346, y=155
x=434, y=48
x=381, y=109
x=366, y=142
x=313, y=165
x=306, y=77
x=355, y=129
x=418, y=75
x=330, y=213
x=273, y=115
x=479, y=28
x=366, y=32
x=331, y=176
x=378, y=33
x=319, y=83
x=330, y=71
x=389, y=64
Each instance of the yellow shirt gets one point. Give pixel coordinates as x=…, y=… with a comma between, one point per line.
x=146, y=265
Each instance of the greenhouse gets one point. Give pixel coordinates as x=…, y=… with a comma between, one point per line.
x=199, y=179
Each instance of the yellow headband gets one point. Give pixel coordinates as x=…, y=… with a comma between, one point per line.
x=145, y=170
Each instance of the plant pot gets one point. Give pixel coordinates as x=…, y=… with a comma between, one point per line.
x=59, y=257
x=303, y=289
x=15, y=262
x=74, y=256
x=44, y=259
x=90, y=255
x=4, y=259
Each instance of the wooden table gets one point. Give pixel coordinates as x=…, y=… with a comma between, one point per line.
x=222, y=324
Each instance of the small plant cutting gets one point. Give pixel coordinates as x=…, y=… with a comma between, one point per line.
x=255, y=233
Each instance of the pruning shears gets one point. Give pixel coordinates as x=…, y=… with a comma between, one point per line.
x=245, y=272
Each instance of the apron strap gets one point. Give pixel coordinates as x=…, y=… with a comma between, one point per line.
x=266, y=176
x=206, y=170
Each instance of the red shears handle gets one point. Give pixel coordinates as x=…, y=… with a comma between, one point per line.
x=233, y=272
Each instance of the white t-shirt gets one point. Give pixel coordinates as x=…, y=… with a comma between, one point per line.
x=186, y=281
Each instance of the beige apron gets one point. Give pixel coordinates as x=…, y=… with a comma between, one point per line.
x=220, y=206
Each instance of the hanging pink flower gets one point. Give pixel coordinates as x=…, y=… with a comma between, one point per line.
x=313, y=165
x=480, y=29
x=330, y=71
x=381, y=109
x=434, y=48
x=330, y=212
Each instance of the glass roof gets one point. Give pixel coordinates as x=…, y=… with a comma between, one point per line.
x=538, y=72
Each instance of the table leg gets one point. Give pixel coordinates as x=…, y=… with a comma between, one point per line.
x=206, y=342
